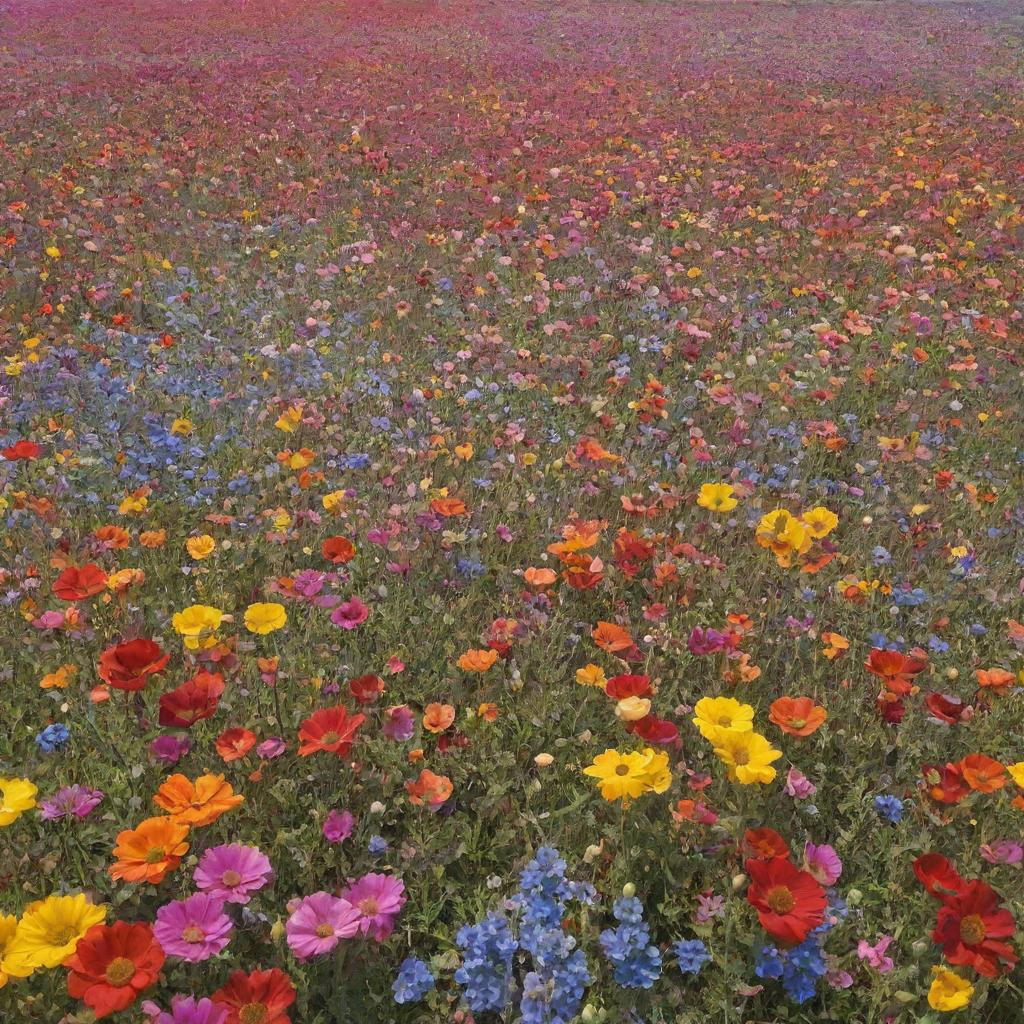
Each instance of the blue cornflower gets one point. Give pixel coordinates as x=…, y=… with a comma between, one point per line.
x=413, y=982
x=890, y=808
x=692, y=955
x=377, y=845
x=53, y=737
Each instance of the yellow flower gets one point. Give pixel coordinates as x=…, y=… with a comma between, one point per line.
x=265, y=618
x=782, y=534
x=48, y=933
x=715, y=715
x=464, y=452
x=949, y=991
x=657, y=772
x=182, y=427
x=53, y=252
x=717, y=497
x=289, y=420
x=626, y=776
x=748, y=756
x=1017, y=773
x=201, y=547
x=59, y=678
x=591, y=675
x=820, y=522
x=334, y=501
x=197, y=624
x=632, y=709
x=8, y=926
x=835, y=644
x=16, y=797
x=133, y=503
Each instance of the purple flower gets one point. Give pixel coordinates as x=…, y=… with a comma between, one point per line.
x=399, y=723
x=318, y=923
x=186, y=1010
x=70, y=800
x=379, y=900
x=1003, y=851
x=233, y=872
x=271, y=748
x=875, y=955
x=798, y=785
x=168, y=749
x=194, y=929
x=338, y=826
x=350, y=614
x=705, y=641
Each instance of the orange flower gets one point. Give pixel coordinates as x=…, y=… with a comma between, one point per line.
x=338, y=550
x=488, y=711
x=998, y=680
x=153, y=538
x=540, y=577
x=798, y=716
x=611, y=638
x=147, y=853
x=477, y=660
x=113, y=538
x=196, y=803
x=429, y=789
x=982, y=773
x=448, y=507
x=233, y=744
x=835, y=644
x=437, y=717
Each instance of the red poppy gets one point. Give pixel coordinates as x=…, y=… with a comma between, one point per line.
x=655, y=730
x=366, y=689
x=891, y=708
x=234, y=744
x=764, y=844
x=338, y=550
x=969, y=927
x=197, y=698
x=245, y=995
x=621, y=687
x=128, y=666
x=112, y=964
x=329, y=729
x=945, y=785
x=21, y=450
x=895, y=669
x=74, y=583
x=789, y=902
x=945, y=708
x=937, y=875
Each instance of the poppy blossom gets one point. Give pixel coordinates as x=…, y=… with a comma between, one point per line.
x=789, y=902
x=797, y=716
x=331, y=730
x=128, y=666
x=430, y=789
x=945, y=785
x=982, y=773
x=945, y=708
x=652, y=729
x=75, y=584
x=971, y=927
x=262, y=996
x=623, y=686
x=438, y=717
x=895, y=669
x=234, y=744
x=937, y=875
x=366, y=689
x=21, y=450
x=764, y=844
x=338, y=550
x=196, y=699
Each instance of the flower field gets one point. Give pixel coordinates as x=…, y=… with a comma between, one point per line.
x=512, y=512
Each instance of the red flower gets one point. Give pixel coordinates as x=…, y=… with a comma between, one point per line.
x=937, y=875
x=128, y=666
x=21, y=450
x=764, y=844
x=969, y=927
x=654, y=730
x=329, y=729
x=366, y=689
x=338, y=550
x=233, y=744
x=621, y=687
x=73, y=583
x=197, y=698
x=245, y=995
x=950, y=710
x=789, y=902
x=112, y=964
x=895, y=669
x=946, y=785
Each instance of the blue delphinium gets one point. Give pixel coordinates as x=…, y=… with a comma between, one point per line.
x=413, y=982
x=486, y=971
x=53, y=737
x=890, y=808
x=692, y=955
x=628, y=947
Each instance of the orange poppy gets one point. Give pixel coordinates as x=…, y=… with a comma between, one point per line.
x=429, y=789
x=338, y=550
x=438, y=717
x=153, y=538
x=74, y=584
x=150, y=851
x=611, y=638
x=234, y=744
x=540, y=577
x=488, y=711
x=114, y=538
x=998, y=680
x=196, y=803
x=764, y=844
x=798, y=716
x=448, y=507
x=982, y=773
x=477, y=660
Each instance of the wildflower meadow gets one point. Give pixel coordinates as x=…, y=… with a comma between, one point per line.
x=511, y=512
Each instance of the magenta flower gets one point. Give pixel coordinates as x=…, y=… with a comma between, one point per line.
x=271, y=748
x=875, y=956
x=798, y=785
x=1003, y=851
x=70, y=800
x=194, y=929
x=350, y=614
x=233, y=872
x=823, y=863
x=186, y=1010
x=169, y=749
x=338, y=826
x=399, y=723
x=379, y=900
x=318, y=923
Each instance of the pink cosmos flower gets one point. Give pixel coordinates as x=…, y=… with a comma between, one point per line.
x=318, y=923
x=233, y=872
x=875, y=956
x=185, y=1010
x=379, y=900
x=77, y=801
x=194, y=929
x=350, y=614
x=823, y=863
x=338, y=826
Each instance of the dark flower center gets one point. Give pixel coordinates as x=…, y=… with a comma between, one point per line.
x=780, y=899
x=120, y=971
x=972, y=930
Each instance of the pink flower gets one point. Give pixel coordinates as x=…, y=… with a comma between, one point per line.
x=875, y=955
x=318, y=923
x=233, y=872
x=1003, y=851
x=194, y=929
x=379, y=900
x=823, y=863
x=798, y=785
x=271, y=748
x=338, y=826
x=350, y=614
x=399, y=723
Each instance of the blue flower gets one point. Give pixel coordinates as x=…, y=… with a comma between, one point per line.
x=890, y=808
x=53, y=737
x=692, y=955
x=413, y=982
x=377, y=845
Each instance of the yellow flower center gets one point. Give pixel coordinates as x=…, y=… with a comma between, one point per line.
x=780, y=899
x=231, y=878
x=64, y=936
x=155, y=855
x=252, y=1013
x=193, y=933
x=324, y=930
x=368, y=906
x=120, y=971
x=742, y=756
x=330, y=738
x=972, y=930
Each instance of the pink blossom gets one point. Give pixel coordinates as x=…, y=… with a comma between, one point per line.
x=318, y=923
x=350, y=614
